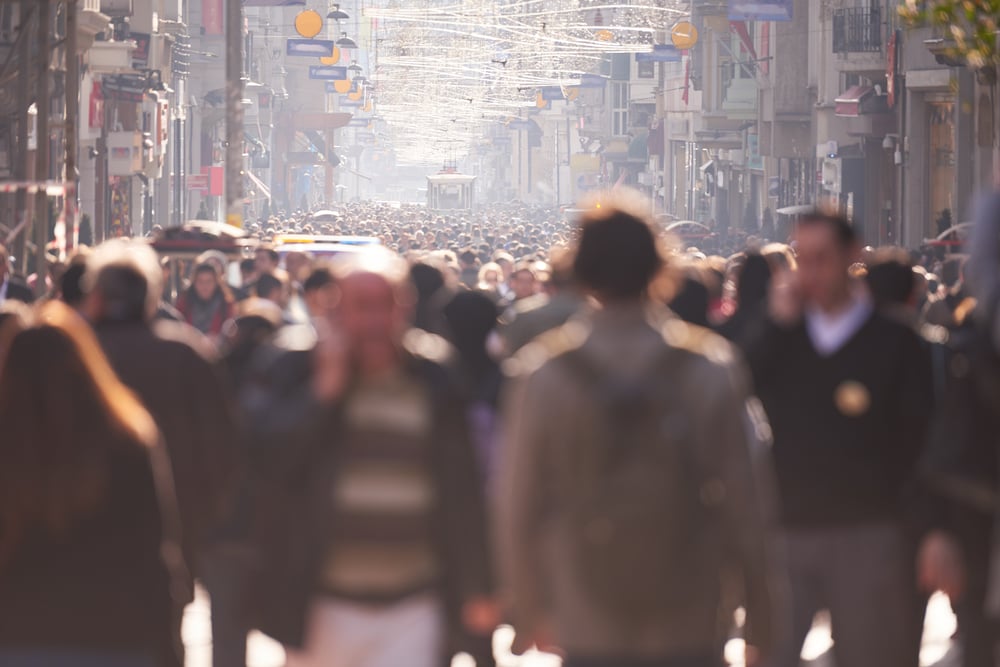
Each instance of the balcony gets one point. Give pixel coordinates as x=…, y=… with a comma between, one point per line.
x=857, y=30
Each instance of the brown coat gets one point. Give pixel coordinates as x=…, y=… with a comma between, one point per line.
x=169, y=369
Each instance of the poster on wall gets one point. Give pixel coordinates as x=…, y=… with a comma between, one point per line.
x=212, y=21
x=760, y=10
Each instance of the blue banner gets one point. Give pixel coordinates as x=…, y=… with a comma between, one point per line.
x=760, y=10
x=315, y=48
x=550, y=93
x=662, y=53
x=327, y=72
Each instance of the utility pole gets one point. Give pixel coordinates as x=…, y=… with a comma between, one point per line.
x=21, y=171
x=234, y=113
x=72, y=121
x=42, y=153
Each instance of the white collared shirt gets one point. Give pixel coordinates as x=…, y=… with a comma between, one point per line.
x=829, y=333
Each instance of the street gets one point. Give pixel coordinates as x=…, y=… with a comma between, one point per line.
x=262, y=652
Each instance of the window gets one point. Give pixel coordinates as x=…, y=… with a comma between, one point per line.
x=619, y=108
x=646, y=70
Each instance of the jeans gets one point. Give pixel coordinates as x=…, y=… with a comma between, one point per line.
x=42, y=657
x=689, y=661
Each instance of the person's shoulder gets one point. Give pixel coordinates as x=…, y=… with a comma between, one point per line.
x=18, y=290
x=429, y=348
x=888, y=326
x=698, y=342
x=547, y=349
x=182, y=340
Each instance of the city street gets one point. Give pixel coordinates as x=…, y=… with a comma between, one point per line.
x=937, y=650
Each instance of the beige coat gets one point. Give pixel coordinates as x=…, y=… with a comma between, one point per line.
x=730, y=430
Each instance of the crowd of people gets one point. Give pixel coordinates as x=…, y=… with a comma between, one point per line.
x=576, y=427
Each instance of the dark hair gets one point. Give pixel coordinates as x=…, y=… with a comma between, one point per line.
x=951, y=271
x=754, y=280
x=205, y=267
x=890, y=277
x=617, y=255
x=248, y=266
x=266, y=284
x=124, y=290
x=71, y=283
x=842, y=228
x=271, y=253
x=320, y=277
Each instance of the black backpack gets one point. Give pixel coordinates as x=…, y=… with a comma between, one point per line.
x=638, y=504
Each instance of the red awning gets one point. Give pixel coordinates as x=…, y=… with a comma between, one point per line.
x=858, y=100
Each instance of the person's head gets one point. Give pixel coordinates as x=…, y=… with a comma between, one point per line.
x=297, y=264
x=63, y=412
x=123, y=283
x=617, y=256
x=468, y=258
x=272, y=288
x=267, y=260
x=753, y=281
x=373, y=312
x=891, y=279
x=523, y=282
x=71, y=283
x=490, y=277
x=320, y=292
x=952, y=272
x=505, y=261
x=205, y=282
x=216, y=259
x=827, y=246
x=248, y=271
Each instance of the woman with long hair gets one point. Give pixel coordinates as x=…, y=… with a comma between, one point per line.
x=207, y=304
x=86, y=500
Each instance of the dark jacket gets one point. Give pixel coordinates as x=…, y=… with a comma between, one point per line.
x=849, y=427
x=18, y=291
x=102, y=586
x=168, y=368
x=296, y=443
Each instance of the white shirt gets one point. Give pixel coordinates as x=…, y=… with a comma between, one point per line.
x=829, y=333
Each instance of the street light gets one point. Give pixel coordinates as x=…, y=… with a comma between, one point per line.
x=346, y=42
x=337, y=14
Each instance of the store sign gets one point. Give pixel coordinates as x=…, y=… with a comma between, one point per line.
x=314, y=48
x=661, y=53
x=327, y=73
x=124, y=88
x=758, y=10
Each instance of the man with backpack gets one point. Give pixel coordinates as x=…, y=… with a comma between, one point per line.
x=631, y=484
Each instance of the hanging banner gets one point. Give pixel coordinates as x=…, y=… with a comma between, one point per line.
x=212, y=22
x=313, y=48
x=758, y=10
x=327, y=73
x=662, y=53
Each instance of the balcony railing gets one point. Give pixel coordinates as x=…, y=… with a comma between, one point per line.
x=857, y=30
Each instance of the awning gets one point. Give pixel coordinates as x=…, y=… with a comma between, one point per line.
x=858, y=100
x=259, y=184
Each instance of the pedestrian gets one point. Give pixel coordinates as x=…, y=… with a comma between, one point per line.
x=628, y=484
x=207, y=303
x=171, y=369
x=753, y=279
x=848, y=392
x=12, y=288
x=376, y=550
x=86, y=508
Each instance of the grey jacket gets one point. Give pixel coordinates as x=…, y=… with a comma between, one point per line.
x=538, y=573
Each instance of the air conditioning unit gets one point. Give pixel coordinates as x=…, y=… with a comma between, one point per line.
x=116, y=8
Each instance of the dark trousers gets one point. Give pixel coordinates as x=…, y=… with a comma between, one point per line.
x=690, y=661
x=225, y=574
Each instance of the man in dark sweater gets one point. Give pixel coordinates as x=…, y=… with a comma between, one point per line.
x=848, y=392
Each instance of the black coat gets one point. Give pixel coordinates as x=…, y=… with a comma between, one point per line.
x=295, y=442
x=18, y=291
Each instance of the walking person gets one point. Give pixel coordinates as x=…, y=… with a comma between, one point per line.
x=376, y=553
x=628, y=484
x=85, y=505
x=848, y=392
x=207, y=304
